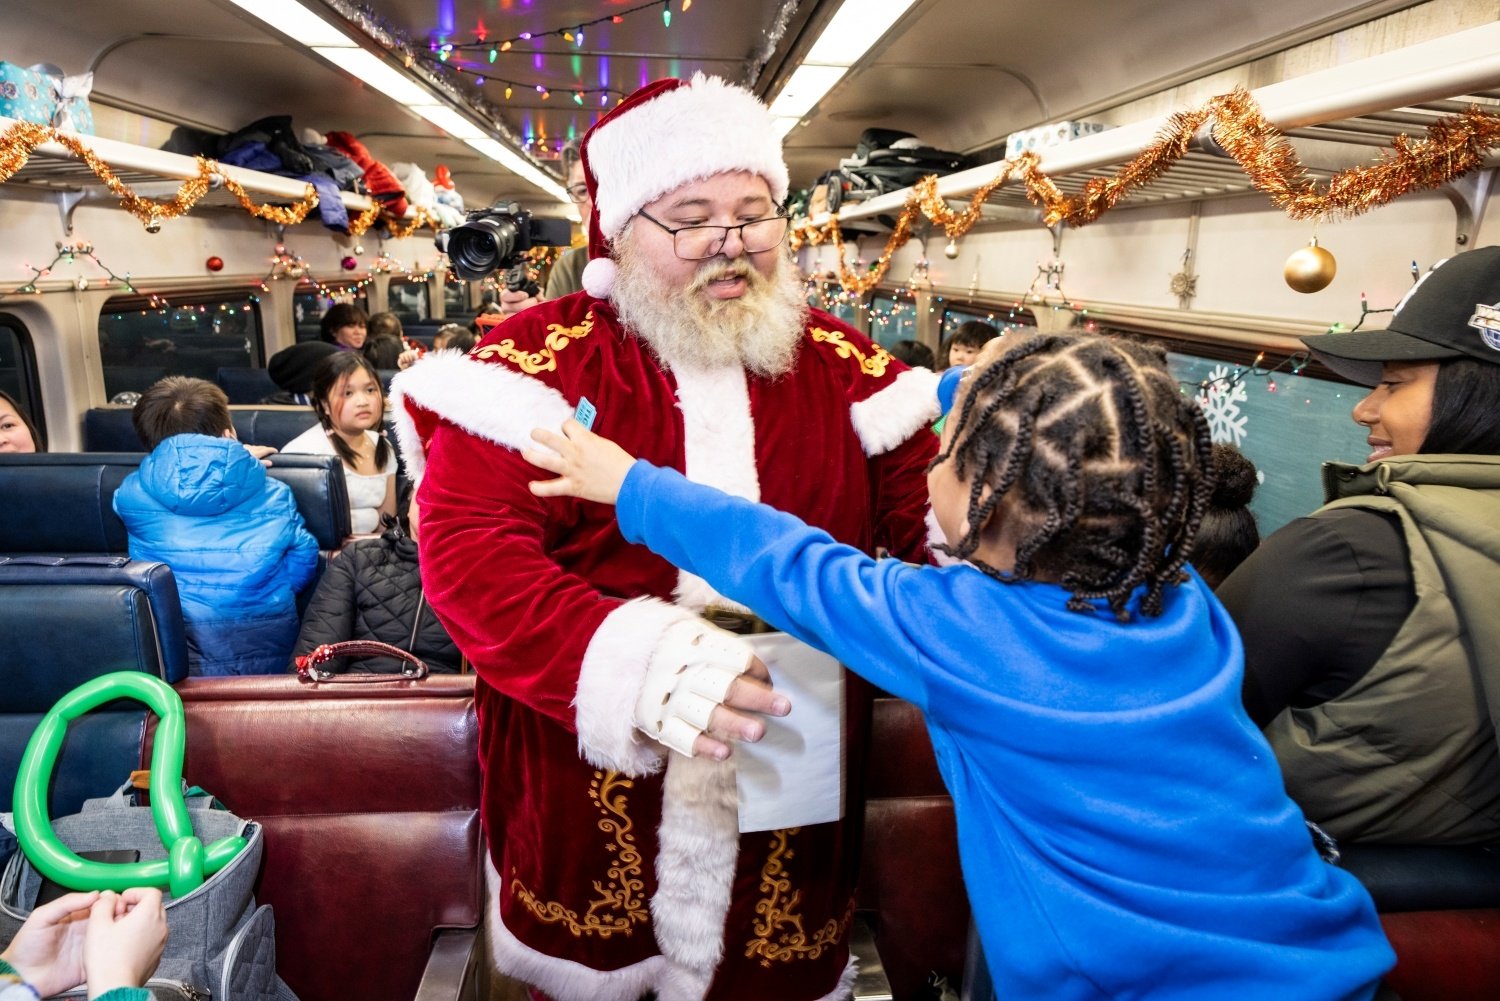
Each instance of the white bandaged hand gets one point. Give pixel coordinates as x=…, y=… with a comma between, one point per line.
x=688, y=676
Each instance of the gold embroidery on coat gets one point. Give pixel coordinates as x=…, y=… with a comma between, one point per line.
x=875, y=365
x=545, y=360
x=619, y=904
x=779, y=932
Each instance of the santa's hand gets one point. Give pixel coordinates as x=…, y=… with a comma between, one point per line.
x=588, y=466
x=705, y=687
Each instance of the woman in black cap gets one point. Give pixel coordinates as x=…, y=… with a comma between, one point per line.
x=1372, y=643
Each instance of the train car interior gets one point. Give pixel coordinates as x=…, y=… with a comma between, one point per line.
x=1196, y=176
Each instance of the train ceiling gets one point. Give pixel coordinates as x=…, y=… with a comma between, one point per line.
x=961, y=74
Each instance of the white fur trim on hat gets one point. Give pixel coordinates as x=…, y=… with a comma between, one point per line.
x=599, y=277
x=705, y=127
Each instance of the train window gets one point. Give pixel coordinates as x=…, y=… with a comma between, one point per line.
x=409, y=301
x=142, y=340
x=18, y=372
x=456, y=299
x=1286, y=424
x=830, y=299
x=308, y=307
x=892, y=320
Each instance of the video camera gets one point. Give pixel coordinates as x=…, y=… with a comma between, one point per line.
x=495, y=239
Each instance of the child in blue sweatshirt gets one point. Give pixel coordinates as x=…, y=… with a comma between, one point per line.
x=1122, y=825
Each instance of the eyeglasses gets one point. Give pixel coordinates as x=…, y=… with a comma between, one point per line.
x=697, y=243
x=578, y=193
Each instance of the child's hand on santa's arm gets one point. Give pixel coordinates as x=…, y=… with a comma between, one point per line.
x=588, y=465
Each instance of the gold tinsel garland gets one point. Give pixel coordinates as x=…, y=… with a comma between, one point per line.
x=21, y=140
x=1454, y=146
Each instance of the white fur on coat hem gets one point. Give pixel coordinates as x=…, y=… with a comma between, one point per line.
x=609, y=680
x=565, y=980
x=561, y=979
x=486, y=399
x=897, y=412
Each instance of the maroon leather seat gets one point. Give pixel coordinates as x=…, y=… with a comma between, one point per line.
x=910, y=885
x=369, y=795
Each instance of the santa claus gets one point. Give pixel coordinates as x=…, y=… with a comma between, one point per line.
x=609, y=793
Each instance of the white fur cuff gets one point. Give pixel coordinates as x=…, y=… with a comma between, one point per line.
x=898, y=411
x=688, y=675
x=610, y=680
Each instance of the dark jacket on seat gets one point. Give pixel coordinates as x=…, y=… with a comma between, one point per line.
x=373, y=591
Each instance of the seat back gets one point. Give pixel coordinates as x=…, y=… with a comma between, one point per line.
x=910, y=885
x=109, y=429
x=369, y=796
x=68, y=621
x=63, y=502
x=245, y=385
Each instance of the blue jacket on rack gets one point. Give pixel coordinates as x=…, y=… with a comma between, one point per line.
x=235, y=542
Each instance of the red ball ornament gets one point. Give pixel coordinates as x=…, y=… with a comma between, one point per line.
x=214, y=264
x=349, y=263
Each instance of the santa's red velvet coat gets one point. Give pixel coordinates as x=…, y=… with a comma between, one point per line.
x=618, y=867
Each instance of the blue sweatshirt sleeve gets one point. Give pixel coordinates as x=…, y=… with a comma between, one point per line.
x=797, y=578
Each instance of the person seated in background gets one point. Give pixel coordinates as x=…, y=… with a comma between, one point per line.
x=489, y=314
x=293, y=368
x=202, y=504
x=1123, y=831
x=17, y=433
x=350, y=404
x=345, y=326
x=1228, y=533
x=385, y=340
x=566, y=276
x=1372, y=647
x=963, y=345
x=914, y=353
x=449, y=337
x=373, y=591
x=109, y=942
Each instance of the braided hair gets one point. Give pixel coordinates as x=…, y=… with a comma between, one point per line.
x=1104, y=467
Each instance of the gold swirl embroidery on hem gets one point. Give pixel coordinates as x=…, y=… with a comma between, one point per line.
x=545, y=360
x=875, y=365
x=619, y=905
x=780, y=936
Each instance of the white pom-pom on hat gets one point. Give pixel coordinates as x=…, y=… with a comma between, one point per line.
x=599, y=277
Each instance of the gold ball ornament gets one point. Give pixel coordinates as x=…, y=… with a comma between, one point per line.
x=1309, y=269
x=951, y=251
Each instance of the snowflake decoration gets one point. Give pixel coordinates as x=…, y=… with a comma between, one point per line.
x=1220, y=400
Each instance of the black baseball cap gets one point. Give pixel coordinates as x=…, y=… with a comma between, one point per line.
x=1452, y=312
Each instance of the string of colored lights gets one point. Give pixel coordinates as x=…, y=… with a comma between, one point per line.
x=69, y=253
x=572, y=33
x=1293, y=363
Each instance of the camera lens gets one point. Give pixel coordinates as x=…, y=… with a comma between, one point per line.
x=477, y=248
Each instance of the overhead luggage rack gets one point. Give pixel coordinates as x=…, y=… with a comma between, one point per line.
x=1336, y=117
x=151, y=172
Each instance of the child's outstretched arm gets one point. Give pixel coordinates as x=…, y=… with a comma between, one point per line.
x=798, y=578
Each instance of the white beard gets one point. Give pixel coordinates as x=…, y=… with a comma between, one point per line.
x=685, y=328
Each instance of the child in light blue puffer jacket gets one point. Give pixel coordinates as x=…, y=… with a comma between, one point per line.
x=202, y=503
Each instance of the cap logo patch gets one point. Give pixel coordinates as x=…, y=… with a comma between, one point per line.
x=1486, y=320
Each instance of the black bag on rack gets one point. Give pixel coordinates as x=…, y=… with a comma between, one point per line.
x=886, y=160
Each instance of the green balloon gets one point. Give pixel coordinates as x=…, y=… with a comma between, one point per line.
x=187, y=861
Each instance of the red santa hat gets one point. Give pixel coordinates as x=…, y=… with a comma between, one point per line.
x=667, y=134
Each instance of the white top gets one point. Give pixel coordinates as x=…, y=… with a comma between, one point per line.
x=366, y=492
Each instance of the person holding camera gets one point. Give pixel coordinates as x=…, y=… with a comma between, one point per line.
x=609, y=706
x=566, y=276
